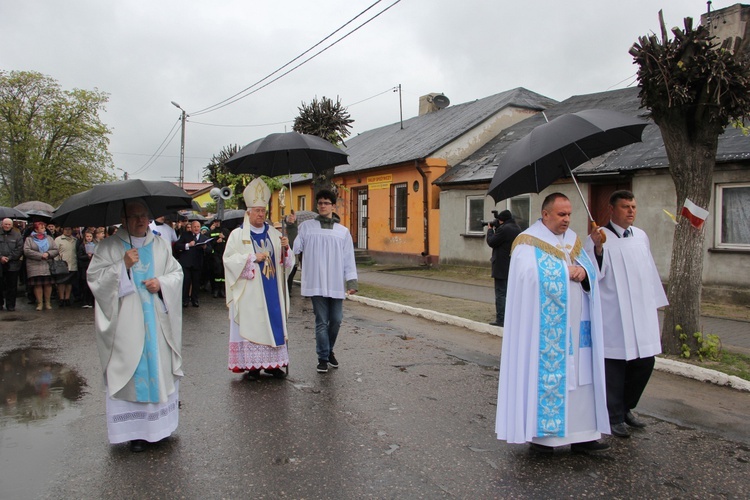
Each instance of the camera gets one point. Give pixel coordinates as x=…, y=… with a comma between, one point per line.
x=494, y=223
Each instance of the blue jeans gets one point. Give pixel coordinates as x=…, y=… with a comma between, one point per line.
x=501, y=287
x=328, y=315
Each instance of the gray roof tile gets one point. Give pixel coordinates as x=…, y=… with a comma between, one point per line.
x=425, y=134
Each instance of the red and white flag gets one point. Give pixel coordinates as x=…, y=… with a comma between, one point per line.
x=695, y=214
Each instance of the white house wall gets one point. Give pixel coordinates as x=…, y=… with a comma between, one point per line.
x=473, y=139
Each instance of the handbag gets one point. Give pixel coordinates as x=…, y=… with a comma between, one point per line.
x=58, y=267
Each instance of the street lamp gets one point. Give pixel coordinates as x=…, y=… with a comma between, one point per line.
x=182, y=144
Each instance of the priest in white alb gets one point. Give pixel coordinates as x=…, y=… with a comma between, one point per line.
x=137, y=285
x=256, y=260
x=551, y=390
x=631, y=292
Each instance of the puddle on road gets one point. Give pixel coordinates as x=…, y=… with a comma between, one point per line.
x=37, y=402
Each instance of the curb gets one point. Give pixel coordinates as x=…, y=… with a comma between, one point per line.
x=662, y=364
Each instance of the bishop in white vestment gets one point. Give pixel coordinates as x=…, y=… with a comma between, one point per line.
x=257, y=297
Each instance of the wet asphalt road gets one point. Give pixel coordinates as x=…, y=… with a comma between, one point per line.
x=410, y=414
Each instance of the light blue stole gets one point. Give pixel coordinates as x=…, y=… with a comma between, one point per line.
x=146, y=377
x=552, y=371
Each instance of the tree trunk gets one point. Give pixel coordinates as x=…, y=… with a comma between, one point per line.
x=692, y=172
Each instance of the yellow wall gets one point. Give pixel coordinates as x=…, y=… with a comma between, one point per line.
x=204, y=199
x=380, y=237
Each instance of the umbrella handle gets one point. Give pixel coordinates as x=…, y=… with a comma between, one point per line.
x=594, y=227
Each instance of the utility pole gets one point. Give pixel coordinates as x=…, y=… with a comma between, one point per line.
x=182, y=145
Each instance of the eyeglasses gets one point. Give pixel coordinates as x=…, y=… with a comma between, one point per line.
x=324, y=203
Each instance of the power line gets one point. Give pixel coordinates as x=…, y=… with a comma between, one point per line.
x=239, y=126
x=166, y=142
x=247, y=92
x=392, y=89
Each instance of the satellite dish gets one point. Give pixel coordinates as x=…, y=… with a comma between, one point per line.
x=440, y=101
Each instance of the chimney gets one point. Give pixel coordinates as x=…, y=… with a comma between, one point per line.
x=731, y=22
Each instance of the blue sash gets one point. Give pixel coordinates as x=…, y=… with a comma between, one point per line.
x=146, y=377
x=270, y=285
x=551, y=388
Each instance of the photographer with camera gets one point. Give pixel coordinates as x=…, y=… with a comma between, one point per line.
x=500, y=235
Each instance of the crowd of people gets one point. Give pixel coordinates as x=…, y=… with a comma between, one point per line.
x=140, y=276
x=28, y=248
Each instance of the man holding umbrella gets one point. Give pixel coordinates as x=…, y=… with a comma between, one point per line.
x=137, y=285
x=551, y=390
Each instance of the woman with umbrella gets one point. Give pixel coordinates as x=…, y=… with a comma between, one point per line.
x=39, y=249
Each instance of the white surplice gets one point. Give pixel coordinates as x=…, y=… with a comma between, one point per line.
x=631, y=292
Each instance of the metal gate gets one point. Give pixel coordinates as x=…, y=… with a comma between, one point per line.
x=360, y=236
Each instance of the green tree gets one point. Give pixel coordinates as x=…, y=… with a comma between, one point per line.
x=329, y=120
x=693, y=88
x=52, y=142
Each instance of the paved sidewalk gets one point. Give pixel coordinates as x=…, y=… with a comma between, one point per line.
x=734, y=335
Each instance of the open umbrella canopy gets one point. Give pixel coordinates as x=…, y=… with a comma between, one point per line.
x=286, y=153
x=12, y=213
x=554, y=149
x=36, y=215
x=102, y=204
x=35, y=205
x=193, y=216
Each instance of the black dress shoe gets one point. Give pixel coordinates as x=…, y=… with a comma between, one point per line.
x=185, y=304
x=620, y=430
x=589, y=447
x=633, y=421
x=275, y=372
x=138, y=445
x=196, y=304
x=540, y=448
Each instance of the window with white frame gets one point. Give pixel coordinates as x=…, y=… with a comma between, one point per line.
x=301, y=202
x=474, y=214
x=399, y=195
x=520, y=206
x=732, y=216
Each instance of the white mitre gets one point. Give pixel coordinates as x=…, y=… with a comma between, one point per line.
x=257, y=194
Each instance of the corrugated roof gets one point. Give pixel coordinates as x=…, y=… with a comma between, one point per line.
x=425, y=134
x=480, y=167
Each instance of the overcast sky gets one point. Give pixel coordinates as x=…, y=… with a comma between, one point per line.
x=146, y=53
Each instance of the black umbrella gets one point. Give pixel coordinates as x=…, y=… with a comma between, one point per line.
x=286, y=154
x=102, y=204
x=38, y=215
x=193, y=216
x=12, y=213
x=232, y=219
x=554, y=149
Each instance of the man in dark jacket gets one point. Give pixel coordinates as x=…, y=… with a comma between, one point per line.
x=500, y=236
x=11, y=250
x=189, y=251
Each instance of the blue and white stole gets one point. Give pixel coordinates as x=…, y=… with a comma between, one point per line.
x=267, y=273
x=146, y=377
x=554, y=337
